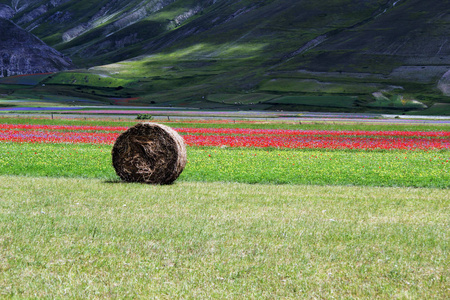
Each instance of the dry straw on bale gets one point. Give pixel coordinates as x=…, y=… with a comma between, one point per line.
x=149, y=153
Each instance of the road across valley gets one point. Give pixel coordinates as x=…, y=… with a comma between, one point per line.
x=169, y=113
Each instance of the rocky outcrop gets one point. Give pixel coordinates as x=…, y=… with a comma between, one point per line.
x=23, y=53
x=35, y=13
x=444, y=84
x=6, y=12
x=122, y=14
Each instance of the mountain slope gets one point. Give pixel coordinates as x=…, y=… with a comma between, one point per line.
x=23, y=53
x=371, y=55
x=88, y=29
x=412, y=32
x=405, y=29
x=73, y=25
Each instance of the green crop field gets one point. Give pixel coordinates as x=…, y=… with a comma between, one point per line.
x=84, y=79
x=314, y=86
x=253, y=223
x=328, y=101
x=207, y=164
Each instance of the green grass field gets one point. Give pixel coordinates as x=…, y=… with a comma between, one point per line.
x=319, y=167
x=91, y=238
x=238, y=223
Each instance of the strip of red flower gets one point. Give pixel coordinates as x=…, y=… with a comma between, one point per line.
x=43, y=136
x=24, y=134
x=278, y=132
x=242, y=131
x=318, y=142
x=61, y=127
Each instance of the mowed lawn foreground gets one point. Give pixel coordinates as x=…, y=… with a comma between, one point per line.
x=92, y=238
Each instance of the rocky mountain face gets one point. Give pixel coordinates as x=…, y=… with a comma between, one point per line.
x=23, y=53
x=6, y=12
x=93, y=32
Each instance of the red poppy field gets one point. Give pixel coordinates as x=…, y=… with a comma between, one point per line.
x=239, y=137
x=253, y=155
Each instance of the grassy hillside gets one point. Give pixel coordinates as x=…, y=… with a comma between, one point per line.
x=384, y=55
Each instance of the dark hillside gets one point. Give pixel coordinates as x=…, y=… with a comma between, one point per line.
x=23, y=53
x=87, y=29
x=412, y=33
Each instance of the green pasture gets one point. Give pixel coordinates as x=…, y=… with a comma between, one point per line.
x=86, y=79
x=189, y=77
x=17, y=81
x=319, y=167
x=94, y=238
x=442, y=109
x=315, y=86
x=28, y=103
x=396, y=101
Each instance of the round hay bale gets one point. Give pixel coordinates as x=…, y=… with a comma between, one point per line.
x=149, y=153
